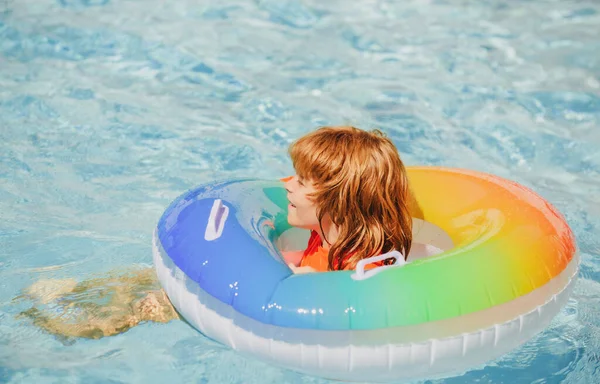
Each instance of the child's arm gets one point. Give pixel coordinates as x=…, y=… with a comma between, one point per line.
x=292, y=257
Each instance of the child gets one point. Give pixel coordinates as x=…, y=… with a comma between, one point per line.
x=351, y=191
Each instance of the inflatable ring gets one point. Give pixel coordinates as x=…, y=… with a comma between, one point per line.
x=510, y=270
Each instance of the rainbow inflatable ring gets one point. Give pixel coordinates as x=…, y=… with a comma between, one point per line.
x=507, y=266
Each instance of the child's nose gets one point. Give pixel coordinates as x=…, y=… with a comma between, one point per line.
x=288, y=186
x=291, y=184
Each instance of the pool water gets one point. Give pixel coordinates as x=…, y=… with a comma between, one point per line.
x=109, y=109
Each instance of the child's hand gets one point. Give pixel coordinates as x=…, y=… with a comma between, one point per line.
x=299, y=270
x=292, y=257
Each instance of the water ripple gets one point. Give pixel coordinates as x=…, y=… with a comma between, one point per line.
x=110, y=109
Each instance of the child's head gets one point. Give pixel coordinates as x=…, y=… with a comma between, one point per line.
x=355, y=179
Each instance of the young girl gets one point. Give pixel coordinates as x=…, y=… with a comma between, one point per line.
x=350, y=190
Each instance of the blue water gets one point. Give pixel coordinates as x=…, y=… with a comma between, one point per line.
x=111, y=108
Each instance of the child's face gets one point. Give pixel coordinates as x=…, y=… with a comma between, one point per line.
x=302, y=212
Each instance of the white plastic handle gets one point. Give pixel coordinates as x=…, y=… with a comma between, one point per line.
x=216, y=221
x=361, y=274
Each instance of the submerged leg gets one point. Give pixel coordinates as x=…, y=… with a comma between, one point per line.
x=98, y=307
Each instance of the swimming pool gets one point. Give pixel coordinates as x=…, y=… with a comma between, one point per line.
x=109, y=109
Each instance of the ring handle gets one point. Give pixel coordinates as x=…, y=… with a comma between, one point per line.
x=216, y=220
x=361, y=274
